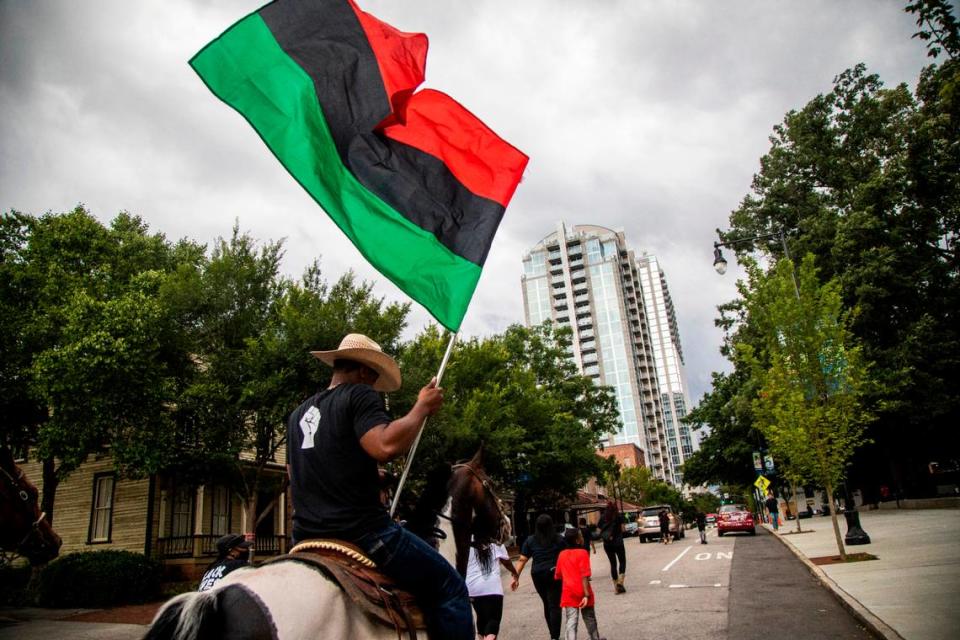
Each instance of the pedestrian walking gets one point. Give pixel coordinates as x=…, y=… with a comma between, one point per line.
x=773, y=507
x=588, y=542
x=576, y=599
x=702, y=526
x=664, y=518
x=543, y=547
x=611, y=533
x=486, y=590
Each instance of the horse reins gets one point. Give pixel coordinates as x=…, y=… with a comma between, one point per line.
x=488, y=488
x=25, y=497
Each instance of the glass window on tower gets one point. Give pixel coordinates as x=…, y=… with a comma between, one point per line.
x=593, y=251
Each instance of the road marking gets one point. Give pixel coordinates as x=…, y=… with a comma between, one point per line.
x=682, y=553
x=693, y=586
x=655, y=582
x=721, y=555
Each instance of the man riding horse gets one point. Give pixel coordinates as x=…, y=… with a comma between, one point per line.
x=335, y=440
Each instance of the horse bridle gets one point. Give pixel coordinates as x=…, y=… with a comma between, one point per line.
x=488, y=488
x=25, y=497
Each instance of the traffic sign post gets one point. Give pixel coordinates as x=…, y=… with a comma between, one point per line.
x=762, y=483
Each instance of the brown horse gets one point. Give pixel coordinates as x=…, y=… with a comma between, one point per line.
x=474, y=512
x=24, y=529
x=285, y=599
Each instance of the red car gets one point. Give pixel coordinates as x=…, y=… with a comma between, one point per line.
x=735, y=517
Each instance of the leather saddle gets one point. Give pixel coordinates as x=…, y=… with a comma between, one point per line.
x=371, y=591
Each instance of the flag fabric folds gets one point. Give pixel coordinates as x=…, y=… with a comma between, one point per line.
x=415, y=181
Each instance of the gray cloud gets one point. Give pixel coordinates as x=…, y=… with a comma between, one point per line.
x=649, y=116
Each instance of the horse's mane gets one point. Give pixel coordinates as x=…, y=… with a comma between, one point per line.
x=432, y=500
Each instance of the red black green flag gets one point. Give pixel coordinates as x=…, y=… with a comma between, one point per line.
x=415, y=181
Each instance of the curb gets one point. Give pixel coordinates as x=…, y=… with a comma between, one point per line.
x=874, y=624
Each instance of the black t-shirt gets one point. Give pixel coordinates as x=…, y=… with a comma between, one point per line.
x=701, y=521
x=334, y=483
x=772, y=504
x=544, y=557
x=612, y=532
x=217, y=570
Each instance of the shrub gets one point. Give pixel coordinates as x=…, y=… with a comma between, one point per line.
x=98, y=579
x=14, y=583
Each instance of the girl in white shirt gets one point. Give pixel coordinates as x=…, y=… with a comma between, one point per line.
x=485, y=587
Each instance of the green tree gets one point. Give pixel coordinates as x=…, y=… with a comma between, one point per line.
x=868, y=177
x=85, y=327
x=640, y=487
x=809, y=371
x=519, y=394
x=725, y=453
x=250, y=332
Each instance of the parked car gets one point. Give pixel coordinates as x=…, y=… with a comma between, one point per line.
x=649, y=522
x=735, y=517
x=631, y=528
x=711, y=518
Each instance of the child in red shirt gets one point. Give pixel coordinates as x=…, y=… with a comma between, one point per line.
x=576, y=599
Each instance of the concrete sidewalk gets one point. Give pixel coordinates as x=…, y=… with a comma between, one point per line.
x=911, y=591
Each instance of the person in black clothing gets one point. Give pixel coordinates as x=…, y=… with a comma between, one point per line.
x=335, y=440
x=664, y=518
x=702, y=526
x=231, y=555
x=773, y=507
x=587, y=537
x=611, y=532
x=543, y=547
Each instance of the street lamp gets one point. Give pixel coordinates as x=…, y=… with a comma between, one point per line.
x=719, y=262
x=855, y=533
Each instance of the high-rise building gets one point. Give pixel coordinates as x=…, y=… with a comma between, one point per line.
x=668, y=356
x=585, y=277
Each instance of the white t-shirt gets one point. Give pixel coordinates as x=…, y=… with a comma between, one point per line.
x=479, y=584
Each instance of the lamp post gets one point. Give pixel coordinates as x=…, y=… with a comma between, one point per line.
x=855, y=533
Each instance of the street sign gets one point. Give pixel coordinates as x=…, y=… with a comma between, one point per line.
x=757, y=462
x=768, y=461
x=762, y=484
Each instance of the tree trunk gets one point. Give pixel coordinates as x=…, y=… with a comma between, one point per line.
x=796, y=501
x=836, y=524
x=50, y=484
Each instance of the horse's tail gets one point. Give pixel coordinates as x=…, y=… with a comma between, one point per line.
x=188, y=616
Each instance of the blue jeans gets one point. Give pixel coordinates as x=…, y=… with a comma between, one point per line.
x=775, y=520
x=416, y=567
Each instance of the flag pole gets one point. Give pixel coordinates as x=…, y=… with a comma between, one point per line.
x=413, y=448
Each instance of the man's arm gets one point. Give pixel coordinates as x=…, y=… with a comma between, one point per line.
x=387, y=441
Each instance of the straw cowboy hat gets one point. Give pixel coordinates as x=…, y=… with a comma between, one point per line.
x=362, y=349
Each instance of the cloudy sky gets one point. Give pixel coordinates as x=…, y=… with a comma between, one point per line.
x=642, y=115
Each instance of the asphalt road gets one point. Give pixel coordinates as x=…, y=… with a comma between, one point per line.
x=737, y=587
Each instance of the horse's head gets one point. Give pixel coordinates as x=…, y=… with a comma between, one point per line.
x=25, y=528
x=476, y=511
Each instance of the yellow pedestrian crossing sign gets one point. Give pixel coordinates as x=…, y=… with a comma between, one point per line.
x=761, y=483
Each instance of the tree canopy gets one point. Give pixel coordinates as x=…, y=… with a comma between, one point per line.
x=519, y=394
x=867, y=179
